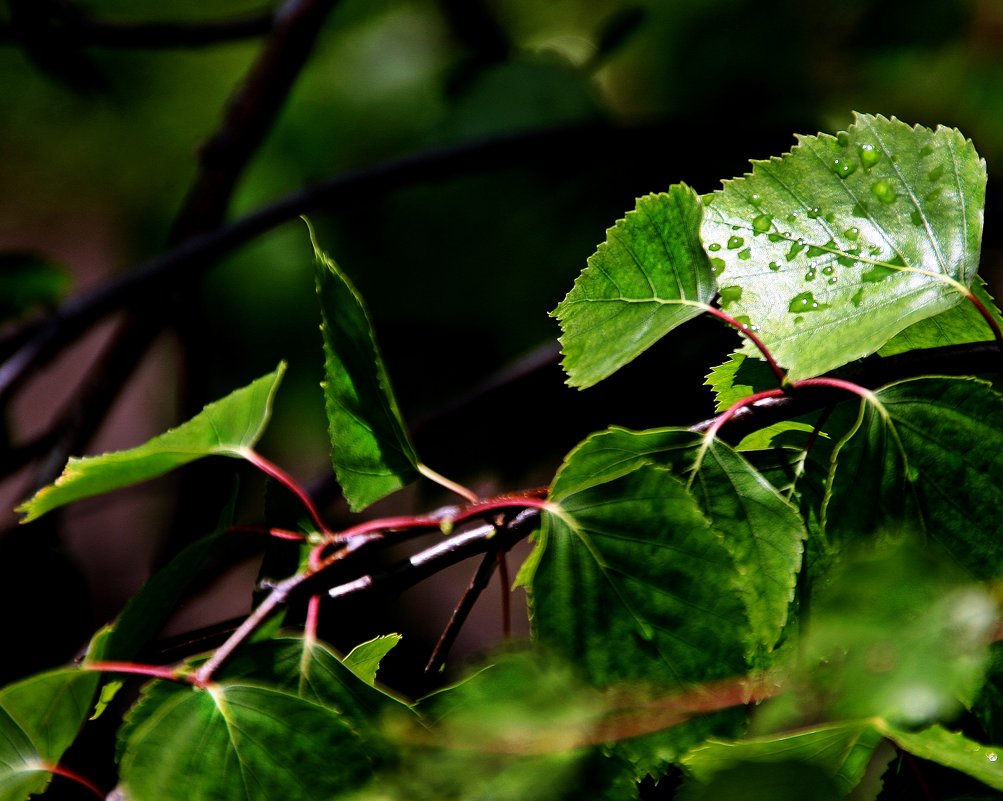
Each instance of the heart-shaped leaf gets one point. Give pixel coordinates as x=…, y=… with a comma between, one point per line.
x=229, y=427
x=649, y=276
x=834, y=248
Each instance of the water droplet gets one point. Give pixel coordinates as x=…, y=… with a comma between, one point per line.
x=843, y=167
x=774, y=266
x=853, y=234
x=843, y=138
x=992, y=756
x=755, y=199
x=717, y=265
x=832, y=280
x=814, y=213
x=933, y=194
x=936, y=173
x=745, y=321
x=884, y=192
x=877, y=272
x=714, y=247
x=828, y=270
x=916, y=217
x=805, y=302
x=829, y=217
x=926, y=151
x=774, y=237
x=847, y=261
x=729, y=295
x=795, y=248
x=858, y=297
x=745, y=255
x=860, y=210
x=810, y=275
x=735, y=242
x=869, y=156
x=762, y=223
x=736, y=228
x=798, y=320
x=792, y=217
x=874, y=250
x=820, y=250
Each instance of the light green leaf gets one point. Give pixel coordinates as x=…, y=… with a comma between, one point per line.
x=371, y=451
x=39, y=719
x=842, y=750
x=929, y=461
x=633, y=584
x=238, y=742
x=364, y=659
x=951, y=749
x=763, y=533
x=837, y=246
x=957, y=326
x=649, y=276
x=228, y=427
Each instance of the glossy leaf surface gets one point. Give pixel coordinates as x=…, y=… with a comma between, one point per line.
x=228, y=427
x=930, y=462
x=834, y=248
x=371, y=451
x=648, y=277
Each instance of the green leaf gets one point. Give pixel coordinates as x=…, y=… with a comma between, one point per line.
x=763, y=533
x=229, y=427
x=238, y=742
x=364, y=659
x=26, y=281
x=929, y=460
x=957, y=326
x=371, y=451
x=633, y=584
x=951, y=749
x=739, y=377
x=39, y=719
x=841, y=750
x=649, y=276
x=837, y=246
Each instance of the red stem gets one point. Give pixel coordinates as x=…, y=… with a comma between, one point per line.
x=835, y=383
x=66, y=773
x=730, y=412
x=747, y=332
x=277, y=473
x=312, y=621
x=279, y=533
x=154, y=671
x=997, y=333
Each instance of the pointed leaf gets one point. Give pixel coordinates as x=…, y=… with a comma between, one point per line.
x=951, y=749
x=930, y=460
x=371, y=451
x=364, y=659
x=239, y=742
x=648, y=277
x=842, y=750
x=836, y=247
x=39, y=719
x=228, y=427
x=763, y=533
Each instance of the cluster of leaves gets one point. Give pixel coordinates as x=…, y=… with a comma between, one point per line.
x=784, y=618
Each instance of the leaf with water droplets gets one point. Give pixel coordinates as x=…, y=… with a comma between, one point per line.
x=929, y=459
x=951, y=749
x=870, y=232
x=649, y=276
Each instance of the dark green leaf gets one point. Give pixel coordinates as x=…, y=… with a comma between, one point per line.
x=929, y=459
x=238, y=742
x=836, y=247
x=371, y=451
x=27, y=281
x=648, y=277
x=228, y=427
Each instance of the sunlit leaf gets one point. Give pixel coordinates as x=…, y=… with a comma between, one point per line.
x=238, y=742
x=649, y=276
x=371, y=451
x=834, y=248
x=951, y=749
x=930, y=461
x=228, y=427
x=364, y=659
x=841, y=750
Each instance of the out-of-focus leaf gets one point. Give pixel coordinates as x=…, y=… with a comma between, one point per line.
x=834, y=248
x=371, y=451
x=951, y=749
x=649, y=276
x=27, y=281
x=228, y=427
x=929, y=459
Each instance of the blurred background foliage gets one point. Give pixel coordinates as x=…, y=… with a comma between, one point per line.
x=98, y=146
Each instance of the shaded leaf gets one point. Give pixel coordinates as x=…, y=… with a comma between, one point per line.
x=228, y=427
x=238, y=742
x=371, y=451
x=930, y=460
x=27, y=281
x=841, y=750
x=836, y=247
x=951, y=749
x=648, y=277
